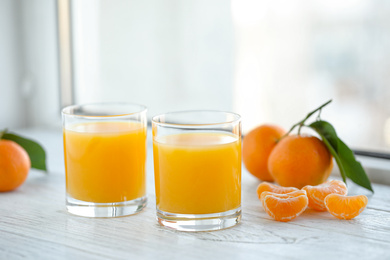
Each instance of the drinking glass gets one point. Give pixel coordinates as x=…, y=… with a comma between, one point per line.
x=105, y=157
x=197, y=166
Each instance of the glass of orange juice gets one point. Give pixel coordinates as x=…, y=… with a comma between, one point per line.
x=105, y=159
x=197, y=167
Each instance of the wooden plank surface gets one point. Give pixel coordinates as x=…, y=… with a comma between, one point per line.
x=35, y=225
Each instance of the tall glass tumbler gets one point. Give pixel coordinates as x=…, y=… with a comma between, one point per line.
x=197, y=166
x=105, y=159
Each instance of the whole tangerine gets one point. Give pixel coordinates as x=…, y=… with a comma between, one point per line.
x=256, y=148
x=14, y=165
x=300, y=160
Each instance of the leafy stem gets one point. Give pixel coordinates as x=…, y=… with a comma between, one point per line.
x=302, y=122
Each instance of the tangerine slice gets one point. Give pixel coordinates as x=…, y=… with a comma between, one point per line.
x=291, y=194
x=317, y=194
x=345, y=207
x=266, y=186
x=284, y=207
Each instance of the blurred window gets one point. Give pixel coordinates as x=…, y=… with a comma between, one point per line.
x=169, y=55
x=292, y=56
x=270, y=61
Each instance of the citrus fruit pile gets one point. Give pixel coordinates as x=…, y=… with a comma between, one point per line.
x=296, y=160
x=287, y=203
x=300, y=164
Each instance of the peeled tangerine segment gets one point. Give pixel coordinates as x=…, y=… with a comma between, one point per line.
x=266, y=186
x=284, y=207
x=345, y=207
x=317, y=194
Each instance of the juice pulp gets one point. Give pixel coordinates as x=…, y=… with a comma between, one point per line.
x=105, y=161
x=197, y=173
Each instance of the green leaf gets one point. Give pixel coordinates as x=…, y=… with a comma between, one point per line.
x=327, y=130
x=35, y=151
x=353, y=169
x=345, y=159
x=329, y=137
x=302, y=122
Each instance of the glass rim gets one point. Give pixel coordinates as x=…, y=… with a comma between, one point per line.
x=237, y=118
x=66, y=110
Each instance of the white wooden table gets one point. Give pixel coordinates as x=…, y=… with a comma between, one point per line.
x=35, y=225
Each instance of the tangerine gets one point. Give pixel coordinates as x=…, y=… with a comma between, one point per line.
x=256, y=148
x=345, y=207
x=317, y=194
x=300, y=160
x=266, y=186
x=284, y=207
x=14, y=165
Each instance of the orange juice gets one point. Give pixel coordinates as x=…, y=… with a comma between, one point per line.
x=197, y=173
x=105, y=161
